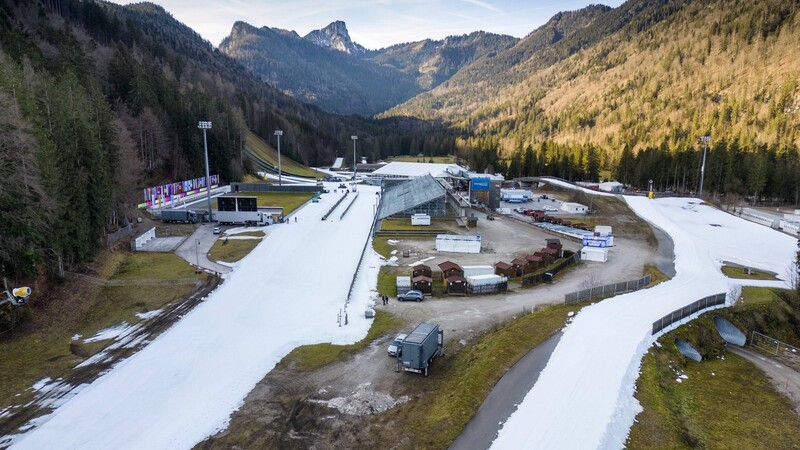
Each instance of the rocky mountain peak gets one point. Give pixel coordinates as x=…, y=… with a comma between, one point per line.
x=336, y=37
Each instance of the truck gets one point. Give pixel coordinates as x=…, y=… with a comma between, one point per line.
x=420, y=347
x=178, y=215
x=243, y=218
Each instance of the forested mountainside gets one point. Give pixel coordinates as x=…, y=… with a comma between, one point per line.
x=326, y=68
x=98, y=101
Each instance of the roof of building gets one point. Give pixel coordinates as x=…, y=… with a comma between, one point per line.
x=549, y=251
x=412, y=170
x=407, y=195
x=447, y=265
x=420, y=267
x=421, y=278
x=456, y=278
x=533, y=258
x=519, y=262
x=503, y=265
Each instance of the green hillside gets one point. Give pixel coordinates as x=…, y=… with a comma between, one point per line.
x=265, y=157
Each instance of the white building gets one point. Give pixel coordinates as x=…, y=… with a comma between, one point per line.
x=574, y=208
x=408, y=170
x=458, y=244
x=611, y=186
x=471, y=271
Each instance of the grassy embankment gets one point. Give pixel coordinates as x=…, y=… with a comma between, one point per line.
x=738, y=272
x=232, y=250
x=726, y=402
x=43, y=346
x=267, y=154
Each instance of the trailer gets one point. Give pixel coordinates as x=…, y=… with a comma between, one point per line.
x=178, y=215
x=420, y=347
x=243, y=218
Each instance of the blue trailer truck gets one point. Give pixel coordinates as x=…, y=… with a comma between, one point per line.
x=420, y=347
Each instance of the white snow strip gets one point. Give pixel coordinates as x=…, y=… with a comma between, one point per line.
x=421, y=261
x=108, y=333
x=590, y=378
x=185, y=384
x=148, y=315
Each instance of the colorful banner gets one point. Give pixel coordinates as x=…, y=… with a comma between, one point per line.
x=169, y=193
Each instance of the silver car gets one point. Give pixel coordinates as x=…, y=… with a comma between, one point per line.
x=396, y=347
x=412, y=295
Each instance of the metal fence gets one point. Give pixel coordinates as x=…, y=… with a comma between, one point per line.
x=534, y=278
x=772, y=345
x=487, y=288
x=269, y=187
x=114, y=237
x=608, y=290
x=680, y=314
x=358, y=266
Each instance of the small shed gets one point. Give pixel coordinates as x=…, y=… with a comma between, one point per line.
x=547, y=258
x=556, y=245
x=421, y=270
x=456, y=285
x=519, y=264
x=422, y=283
x=602, y=230
x=505, y=269
x=403, y=285
x=470, y=271
x=450, y=268
x=594, y=254
x=534, y=262
x=574, y=208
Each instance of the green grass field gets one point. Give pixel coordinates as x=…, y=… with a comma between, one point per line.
x=44, y=346
x=266, y=153
x=289, y=201
x=738, y=272
x=232, y=250
x=402, y=224
x=726, y=402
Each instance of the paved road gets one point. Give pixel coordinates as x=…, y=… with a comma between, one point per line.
x=195, y=249
x=504, y=398
x=785, y=379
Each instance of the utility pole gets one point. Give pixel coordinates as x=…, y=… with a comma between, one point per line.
x=705, y=140
x=354, y=138
x=278, y=134
x=205, y=126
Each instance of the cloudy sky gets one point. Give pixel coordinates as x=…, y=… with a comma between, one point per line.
x=372, y=23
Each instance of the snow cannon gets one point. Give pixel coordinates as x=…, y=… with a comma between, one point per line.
x=21, y=293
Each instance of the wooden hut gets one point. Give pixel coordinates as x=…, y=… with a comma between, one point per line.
x=450, y=268
x=421, y=270
x=422, y=283
x=519, y=264
x=555, y=244
x=547, y=258
x=534, y=262
x=456, y=285
x=505, y=269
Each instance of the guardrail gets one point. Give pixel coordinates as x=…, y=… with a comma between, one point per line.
x=338, y=202
x=360, y=260
x=348, y=207
x=607, y=290
x=680, y=314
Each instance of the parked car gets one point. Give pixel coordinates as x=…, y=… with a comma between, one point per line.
x=520, y=210
x=412, y=295
x=342, y=186
x=550, y=208
x=217, y=230
x=396, y=347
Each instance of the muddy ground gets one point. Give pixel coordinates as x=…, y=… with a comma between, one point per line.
x=340, y=405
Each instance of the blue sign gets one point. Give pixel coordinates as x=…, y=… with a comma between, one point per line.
x=480, y=184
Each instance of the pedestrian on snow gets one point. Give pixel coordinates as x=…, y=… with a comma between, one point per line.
x=295, y=218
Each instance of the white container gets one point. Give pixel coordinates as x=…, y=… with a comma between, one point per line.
x=458, y=244
x=485, y=280
x=470, y=271
x=594, y=254
x=420, y=219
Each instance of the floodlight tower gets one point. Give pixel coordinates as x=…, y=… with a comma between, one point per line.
x=704, y=140
x=354, y=138
x=205, y=126
x=278, y=134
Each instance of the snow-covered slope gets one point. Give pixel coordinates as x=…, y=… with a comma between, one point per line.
x=584, y=397
x=183, y=386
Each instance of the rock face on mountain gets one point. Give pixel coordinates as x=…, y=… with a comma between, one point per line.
x=326, y=68
x=335, y=37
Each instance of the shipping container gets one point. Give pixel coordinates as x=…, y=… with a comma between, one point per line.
x=420, y=347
